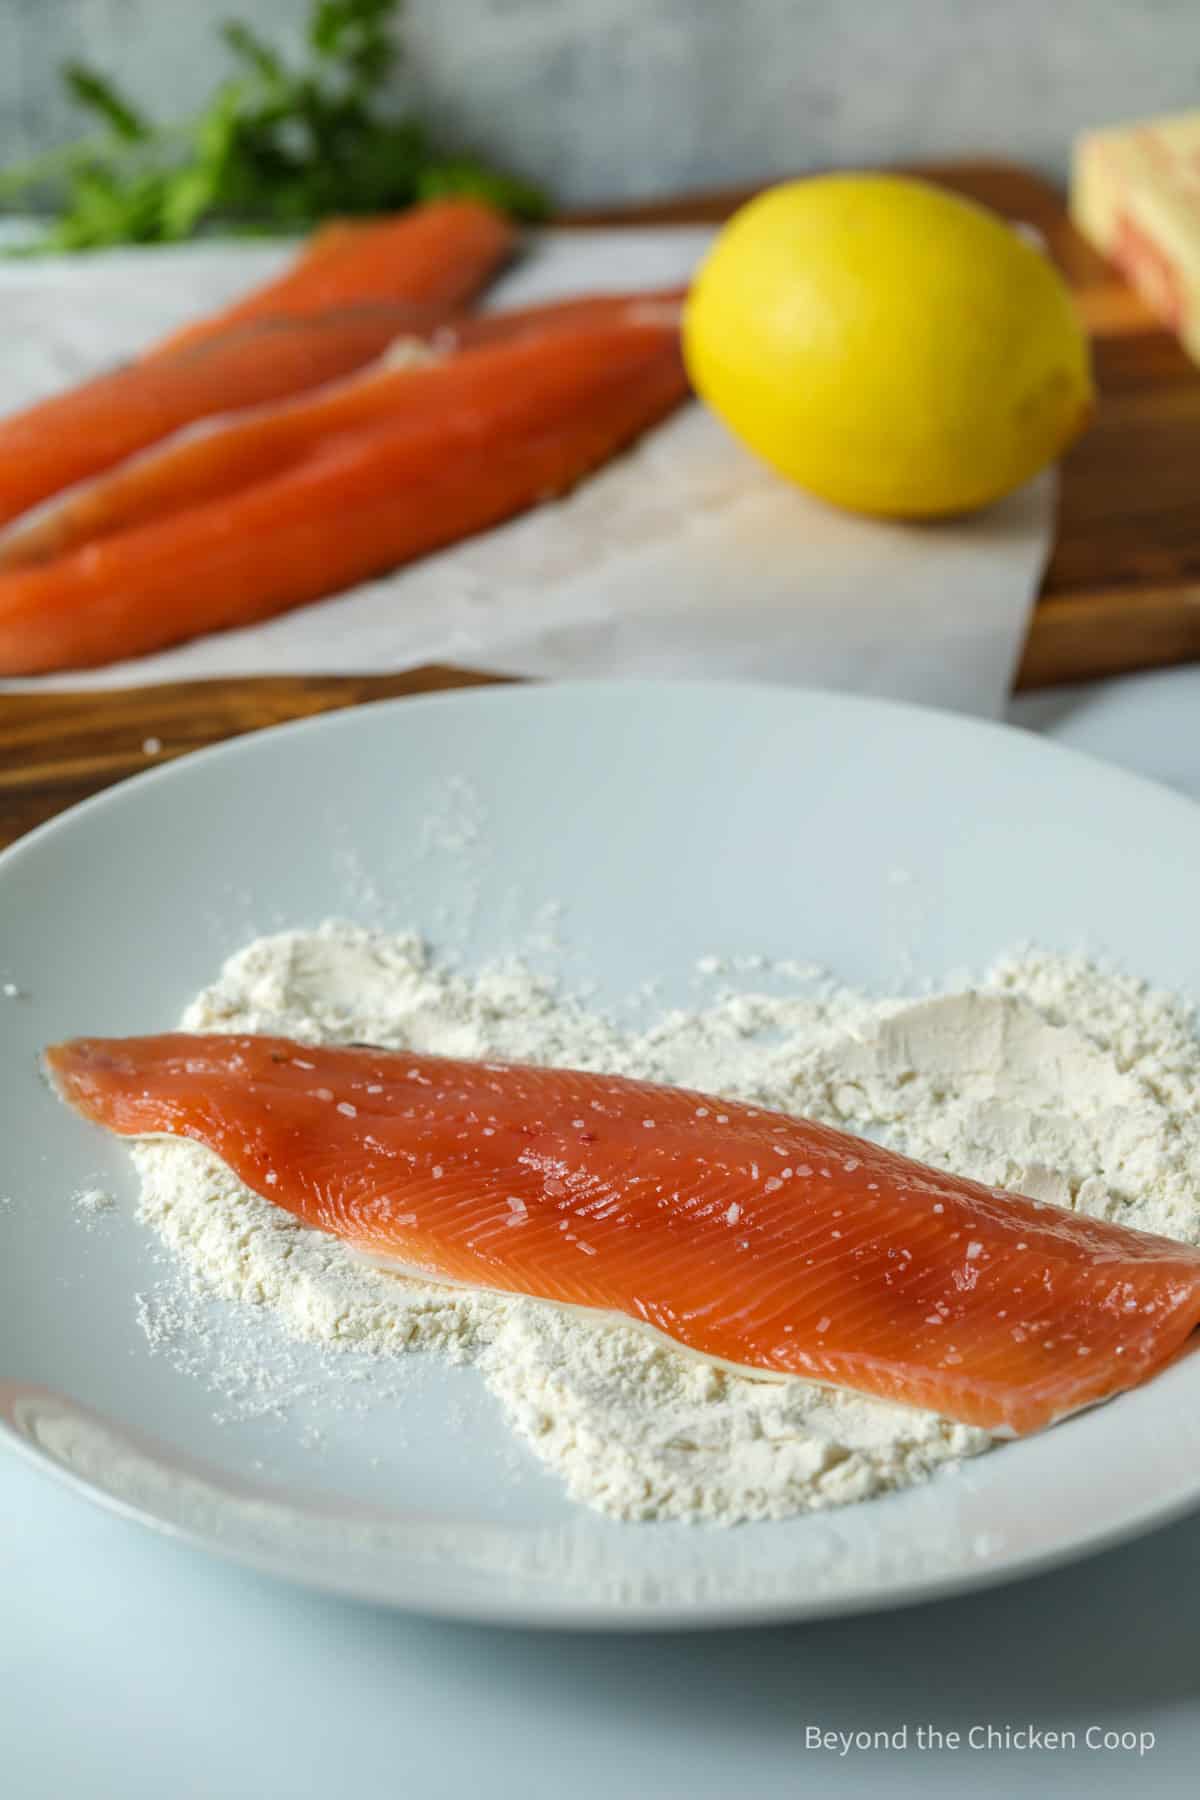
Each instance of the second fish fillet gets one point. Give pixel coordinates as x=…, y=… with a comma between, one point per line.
x=247, y=357
x=750, y=1236
x=430, y=254
x=362, y=504
x=465, y=361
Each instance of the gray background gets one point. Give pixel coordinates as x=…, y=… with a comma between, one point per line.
x=625, y=98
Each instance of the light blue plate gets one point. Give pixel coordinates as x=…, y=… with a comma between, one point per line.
x=671, y=821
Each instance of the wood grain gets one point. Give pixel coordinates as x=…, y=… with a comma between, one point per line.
x=1122, y=589
x=56, y=749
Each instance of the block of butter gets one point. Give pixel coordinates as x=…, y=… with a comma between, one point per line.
x=1135, y=194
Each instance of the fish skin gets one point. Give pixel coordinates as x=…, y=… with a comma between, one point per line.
x=861, y=1268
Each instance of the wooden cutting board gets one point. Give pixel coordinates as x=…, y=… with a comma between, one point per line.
x=1122, y=590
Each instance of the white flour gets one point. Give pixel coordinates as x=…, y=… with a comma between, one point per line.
x=1050, y=1076
x=91, y=1203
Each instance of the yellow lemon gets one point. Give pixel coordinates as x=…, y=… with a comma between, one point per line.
x=889, y=346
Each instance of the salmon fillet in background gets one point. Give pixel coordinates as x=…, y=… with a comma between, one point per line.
x=331, y=314
x=443, y=376
x=529, y=419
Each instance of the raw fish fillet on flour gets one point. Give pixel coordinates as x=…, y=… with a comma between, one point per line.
x=750, y=1236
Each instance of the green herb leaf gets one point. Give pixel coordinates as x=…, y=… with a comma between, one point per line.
x=99, y=95
x=249, y=48
x=277, y=148
x=466, y=175
x=355, y=32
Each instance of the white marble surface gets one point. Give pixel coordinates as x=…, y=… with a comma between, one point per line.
x=130, y=1669
x=612, y=98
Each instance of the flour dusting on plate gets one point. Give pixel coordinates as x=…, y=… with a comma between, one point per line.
x=1048, y=1076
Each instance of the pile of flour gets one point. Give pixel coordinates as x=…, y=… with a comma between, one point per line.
x=1048, y=1076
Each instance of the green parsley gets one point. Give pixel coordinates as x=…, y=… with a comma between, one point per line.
x=275, y=149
